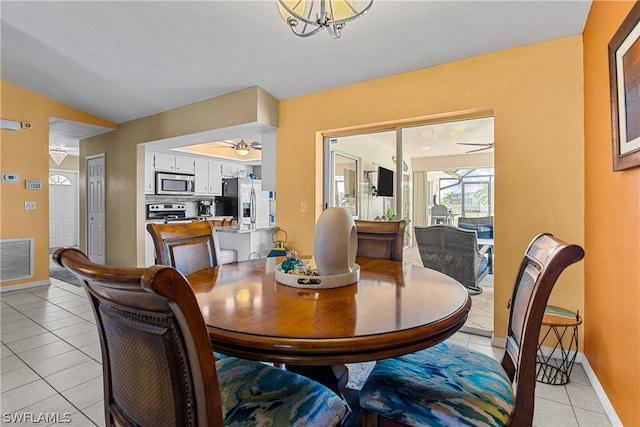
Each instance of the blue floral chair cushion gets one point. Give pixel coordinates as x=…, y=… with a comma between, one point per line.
x=443, y=385
x=255, y=394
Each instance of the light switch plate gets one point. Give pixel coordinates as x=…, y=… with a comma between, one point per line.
x=29, y=206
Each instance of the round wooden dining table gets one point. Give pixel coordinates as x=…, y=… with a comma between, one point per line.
x=395, y=308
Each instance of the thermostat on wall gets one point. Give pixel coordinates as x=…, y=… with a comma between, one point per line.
x=9, y=177
x=34, y=184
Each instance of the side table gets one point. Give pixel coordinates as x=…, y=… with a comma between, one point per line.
x=553, y=370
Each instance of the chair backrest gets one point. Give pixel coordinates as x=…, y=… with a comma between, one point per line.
x=222, y=222
x=544, y=260
x=158, y=365
x=475, y=220
x=217, y=222
x=187, y=246
x=439, y=214
x=439, y=210
x=380, y=239
x=450, y=250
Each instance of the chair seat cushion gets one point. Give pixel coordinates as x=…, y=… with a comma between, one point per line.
x=255, y=394
x=443, y=385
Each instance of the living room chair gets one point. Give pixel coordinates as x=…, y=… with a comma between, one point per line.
x=439, y=214
x=454, y=252
x=448, y=384
x=483, y=225
x=187, y=246
x=158, y=364
x=380, y=239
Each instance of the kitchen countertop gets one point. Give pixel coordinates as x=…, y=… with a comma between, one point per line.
x=245, y=228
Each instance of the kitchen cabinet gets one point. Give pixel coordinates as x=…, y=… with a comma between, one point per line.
x=149, y=174
x=233, y=170
x=172, y=163
x=208, y=177
x=229, y=170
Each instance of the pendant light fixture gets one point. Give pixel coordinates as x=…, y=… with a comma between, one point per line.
x=57, y=156
x=308, y=17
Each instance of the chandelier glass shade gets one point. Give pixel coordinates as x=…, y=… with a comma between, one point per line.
x=57, y=156
x=308, y=17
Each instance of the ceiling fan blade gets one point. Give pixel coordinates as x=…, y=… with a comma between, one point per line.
x=256, y=144
x=480, y=144
x=487, y=147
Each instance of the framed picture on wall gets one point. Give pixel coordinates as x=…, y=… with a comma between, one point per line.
x=624, y=78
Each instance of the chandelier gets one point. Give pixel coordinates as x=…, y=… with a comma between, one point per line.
x=308, y=17
x=57, y=156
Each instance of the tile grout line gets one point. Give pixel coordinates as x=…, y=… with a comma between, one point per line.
x=58, y=392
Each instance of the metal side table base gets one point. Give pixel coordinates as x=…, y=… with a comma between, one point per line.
x=555, y=367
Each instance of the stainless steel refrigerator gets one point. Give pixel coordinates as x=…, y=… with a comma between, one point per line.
x=244, y=199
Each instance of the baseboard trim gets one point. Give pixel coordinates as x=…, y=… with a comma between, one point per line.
x=498, y=342
x=602, y=396
x=23, y=286
x=476, y=331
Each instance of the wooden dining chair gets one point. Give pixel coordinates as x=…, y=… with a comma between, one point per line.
x=452, y=385
x=187, y=246
x=380, y=239
x=158, y=365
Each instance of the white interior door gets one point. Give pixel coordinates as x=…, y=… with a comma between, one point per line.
x=96, y=246
x=63, y=209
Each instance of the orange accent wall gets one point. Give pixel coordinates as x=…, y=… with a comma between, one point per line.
x=26, y=153
x=536, y=95
x=612, y=231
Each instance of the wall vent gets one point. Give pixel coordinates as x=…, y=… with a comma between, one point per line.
x=16, y=259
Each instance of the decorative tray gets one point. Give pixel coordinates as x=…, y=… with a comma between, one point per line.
x=317, y=282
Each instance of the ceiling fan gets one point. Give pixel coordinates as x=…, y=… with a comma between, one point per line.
x=242, y=147
x=483, y=146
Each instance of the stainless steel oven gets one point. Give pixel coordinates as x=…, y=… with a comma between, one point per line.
x=176, y=184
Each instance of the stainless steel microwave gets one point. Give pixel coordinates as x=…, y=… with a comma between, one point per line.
x=176, y=184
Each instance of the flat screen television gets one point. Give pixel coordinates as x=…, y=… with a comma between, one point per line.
x=385, y=182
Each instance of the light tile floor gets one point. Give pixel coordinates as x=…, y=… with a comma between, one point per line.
x=51, y=365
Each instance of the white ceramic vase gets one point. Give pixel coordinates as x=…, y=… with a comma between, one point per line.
x=335, y=242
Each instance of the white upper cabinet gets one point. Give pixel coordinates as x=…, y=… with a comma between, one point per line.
x=185, y=164
x=208, y=177
x=172, y=163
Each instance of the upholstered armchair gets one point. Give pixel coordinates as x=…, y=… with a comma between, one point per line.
x=483, y=225
x=454, y=252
